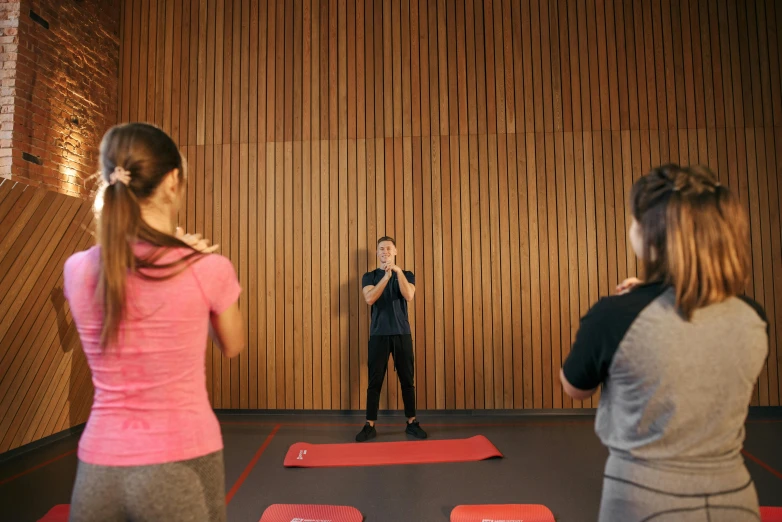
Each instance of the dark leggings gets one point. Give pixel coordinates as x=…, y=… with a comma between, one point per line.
x=401, y=348
x=189, y=490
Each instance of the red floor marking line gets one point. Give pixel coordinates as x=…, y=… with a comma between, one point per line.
x=290, y=424
x=762, y=464
x=35, y=468
x=441, y=424
x=436, y=424
x=515, y=424
x=251, y=465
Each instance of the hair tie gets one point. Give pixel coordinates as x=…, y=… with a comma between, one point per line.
x=119, y=175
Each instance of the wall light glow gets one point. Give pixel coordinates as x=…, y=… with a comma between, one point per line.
x=97, y=205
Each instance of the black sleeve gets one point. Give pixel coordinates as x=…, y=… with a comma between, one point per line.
x=367, y=280
x=410, y=277
x=587, y=365
x=601, y=332
x=758, y=310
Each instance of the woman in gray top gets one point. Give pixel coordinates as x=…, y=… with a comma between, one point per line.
x=678, y=357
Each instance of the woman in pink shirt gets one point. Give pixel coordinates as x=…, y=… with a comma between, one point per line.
x=143, y=301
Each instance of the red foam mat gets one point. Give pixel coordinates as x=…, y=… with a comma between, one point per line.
x=311, y=513
x=771, y=514
x=502, y=513
x=58, y=513
x=303, y=455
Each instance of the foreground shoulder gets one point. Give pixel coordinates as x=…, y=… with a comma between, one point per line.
x=81, y=260
x=213, y=267
x=217, y=261
x=755, y=306
x=619, y=311
x=368, y=279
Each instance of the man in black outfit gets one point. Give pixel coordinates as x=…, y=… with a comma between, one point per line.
x=388, y=290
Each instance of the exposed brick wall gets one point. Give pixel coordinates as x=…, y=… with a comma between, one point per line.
x=64, y=80
x=9, y=42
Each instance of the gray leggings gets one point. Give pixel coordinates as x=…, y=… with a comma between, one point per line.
x=189, y=490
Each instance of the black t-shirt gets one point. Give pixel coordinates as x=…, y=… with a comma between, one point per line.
x=389, y=313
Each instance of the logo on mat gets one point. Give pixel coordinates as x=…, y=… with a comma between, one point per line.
x=308, y=520
x=301, y=457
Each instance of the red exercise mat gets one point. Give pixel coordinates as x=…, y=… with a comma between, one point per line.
x=771, y=514
x=311, y=513
x=58, y=513
x=502, y=513
x=303, y=455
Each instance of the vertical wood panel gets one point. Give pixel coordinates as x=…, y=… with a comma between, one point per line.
x=318, y=374
x=447, y=268
x=363, y=254
x=144, y=47
x=288, y=271
x=260, y=274
x=775, y=191
x=504, y=268
x=485, y=266
x=495, y=252
x=352, y=270
x=560, y=351
x=298, y=70
x=299, y=327
x=427, y=286
x=458, y=273
x=39, y=230
x=271, y=302
x=475, y=249
x=496, y=140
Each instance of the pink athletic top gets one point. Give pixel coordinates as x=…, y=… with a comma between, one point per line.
x=151, y=404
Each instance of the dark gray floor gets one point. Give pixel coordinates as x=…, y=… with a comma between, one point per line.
x=551, y=460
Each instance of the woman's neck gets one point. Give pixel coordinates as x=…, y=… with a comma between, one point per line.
x=158, y=219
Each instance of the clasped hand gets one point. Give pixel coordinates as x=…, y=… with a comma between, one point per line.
x=195, y=241
x=390, y=268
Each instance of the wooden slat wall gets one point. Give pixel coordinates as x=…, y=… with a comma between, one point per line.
x=495, y=139
x=45, y=384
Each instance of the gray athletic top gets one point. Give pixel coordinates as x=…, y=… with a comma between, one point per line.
x=675, y=393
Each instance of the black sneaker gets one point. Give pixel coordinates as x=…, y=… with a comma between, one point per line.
x=414, y=429
x=366, y=433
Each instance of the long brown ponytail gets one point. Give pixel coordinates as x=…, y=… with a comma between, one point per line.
x=695, y=235
x=147, y=155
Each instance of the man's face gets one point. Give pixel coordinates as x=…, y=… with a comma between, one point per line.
x=386, y=251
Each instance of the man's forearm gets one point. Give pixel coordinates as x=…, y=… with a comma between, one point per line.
x=408, y=290
x=374, y=294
